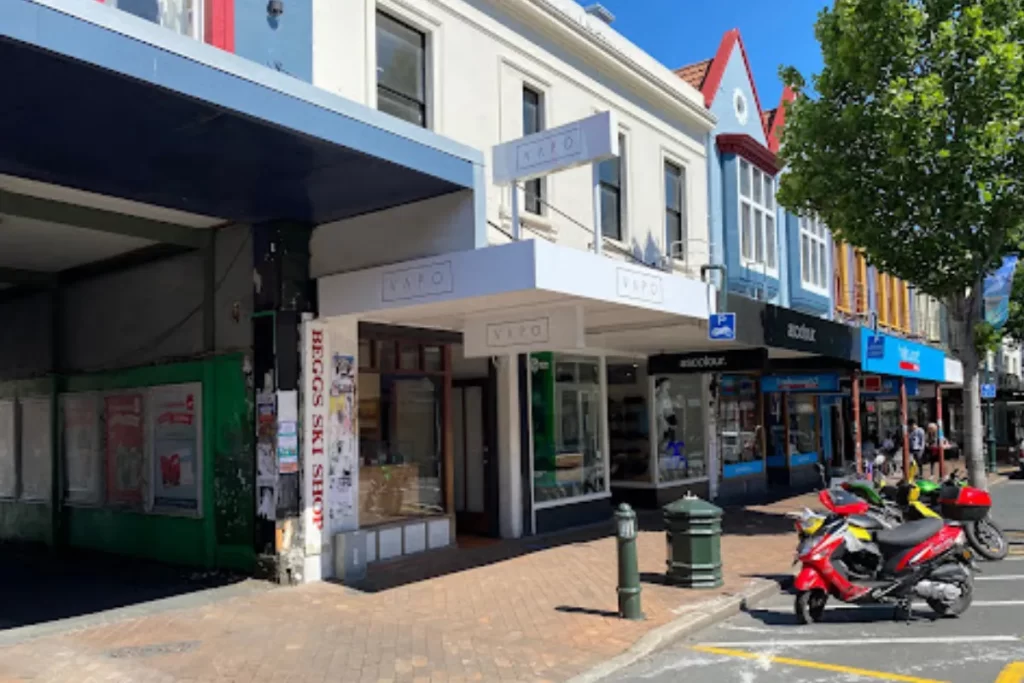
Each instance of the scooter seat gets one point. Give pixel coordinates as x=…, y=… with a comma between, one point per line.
x=910, y=534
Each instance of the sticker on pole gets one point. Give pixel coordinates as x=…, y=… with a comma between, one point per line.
x=722, y=327
x=988, y=391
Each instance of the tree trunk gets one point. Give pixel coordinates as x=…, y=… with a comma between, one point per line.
x=973, y=446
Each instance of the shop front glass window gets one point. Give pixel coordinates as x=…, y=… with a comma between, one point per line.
x=739, y=425
x=679, y=420
x=400, y=445
x=568, y=460
x=803, y=432
x=628, y=424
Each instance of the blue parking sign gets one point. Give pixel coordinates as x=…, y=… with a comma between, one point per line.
x=988, y=391
x=722, y=327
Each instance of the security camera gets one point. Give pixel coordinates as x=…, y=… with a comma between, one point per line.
x=275, y=8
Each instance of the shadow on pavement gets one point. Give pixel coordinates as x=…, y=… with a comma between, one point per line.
x=38, y=585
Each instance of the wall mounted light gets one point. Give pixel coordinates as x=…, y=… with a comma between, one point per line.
x=275, y=8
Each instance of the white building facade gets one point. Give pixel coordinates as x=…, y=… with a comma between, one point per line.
x=480, y=384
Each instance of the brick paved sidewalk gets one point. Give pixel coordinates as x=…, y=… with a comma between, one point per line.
x=530, y=610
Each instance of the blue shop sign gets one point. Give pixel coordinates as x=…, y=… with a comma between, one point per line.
x=888, y=355
x=742, y=469
x=821, y=382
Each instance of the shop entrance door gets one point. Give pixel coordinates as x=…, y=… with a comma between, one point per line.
x=476, y=480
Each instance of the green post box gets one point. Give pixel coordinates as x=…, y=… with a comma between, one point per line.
x=693, y=529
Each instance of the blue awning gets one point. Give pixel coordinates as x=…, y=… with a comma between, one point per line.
x=99, y=100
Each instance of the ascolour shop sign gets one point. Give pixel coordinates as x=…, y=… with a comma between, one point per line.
x=888, y=355
x=710, y=361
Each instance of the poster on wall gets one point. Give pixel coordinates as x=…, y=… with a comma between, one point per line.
x=81, y=443
x=176, y=446
x=8, y=451
x=126, y=440
x=342, y=467
x=36, y=458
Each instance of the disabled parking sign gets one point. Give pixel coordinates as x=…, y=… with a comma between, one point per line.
x=722, y=327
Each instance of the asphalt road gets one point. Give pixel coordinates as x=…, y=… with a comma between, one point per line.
x=765, y=645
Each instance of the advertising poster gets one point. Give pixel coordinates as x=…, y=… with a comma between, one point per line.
x=287, y=448
x=36, y=461
x=126, y=440
x=342, y=466
x=81, y=439
x=175, y=435
x=8, y=452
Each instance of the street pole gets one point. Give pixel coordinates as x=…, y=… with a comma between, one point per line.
x=855, y=399
x=906, y=433
x=941, y=434
x=990, y=435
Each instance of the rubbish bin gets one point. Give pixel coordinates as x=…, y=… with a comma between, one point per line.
x=693, y=529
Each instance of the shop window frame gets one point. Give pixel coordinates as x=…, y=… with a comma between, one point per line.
x=446, y=474
x=603, y=444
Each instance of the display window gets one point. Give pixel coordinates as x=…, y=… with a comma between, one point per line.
x=401, y=430
x=740, y=429
x=567, y=426
x=680, y=425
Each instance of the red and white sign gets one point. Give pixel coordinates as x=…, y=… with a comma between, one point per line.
x=873, y=383
x=315, y=388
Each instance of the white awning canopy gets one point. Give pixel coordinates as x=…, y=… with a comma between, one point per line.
x=529, y=296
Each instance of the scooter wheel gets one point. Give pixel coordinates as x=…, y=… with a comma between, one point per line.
x=810, y=606
x=942, y=609
x=987, y=538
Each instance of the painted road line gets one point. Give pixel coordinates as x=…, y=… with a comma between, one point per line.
x=852, y=642
x=1013, y=673
x=1000, y=577
x=820, y=666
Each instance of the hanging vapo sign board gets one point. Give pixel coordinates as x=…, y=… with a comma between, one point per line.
x=80, y=422
x=175, y=442
x=578, y=143
x=126, y=439
x=8, y=451
x=36, y=443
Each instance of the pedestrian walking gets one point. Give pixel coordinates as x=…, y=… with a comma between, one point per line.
x=917, y=443
x=931, y=448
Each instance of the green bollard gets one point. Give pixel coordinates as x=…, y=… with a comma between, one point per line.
x=629, y=573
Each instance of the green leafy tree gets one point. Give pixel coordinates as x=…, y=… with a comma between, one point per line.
x=912, y=150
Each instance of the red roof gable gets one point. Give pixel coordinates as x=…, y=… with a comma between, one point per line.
x=694, y=74
x=707, y=75
x=774, y=127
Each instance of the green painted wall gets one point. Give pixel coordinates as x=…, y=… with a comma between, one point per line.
x=222, y=537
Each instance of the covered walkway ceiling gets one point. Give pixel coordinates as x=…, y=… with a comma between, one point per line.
x=122, y=140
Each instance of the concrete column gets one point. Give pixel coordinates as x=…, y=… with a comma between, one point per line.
x=510, y=479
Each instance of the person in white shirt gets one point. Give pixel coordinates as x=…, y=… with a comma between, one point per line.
x=917, y=439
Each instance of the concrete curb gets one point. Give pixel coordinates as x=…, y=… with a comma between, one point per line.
x=698, y=617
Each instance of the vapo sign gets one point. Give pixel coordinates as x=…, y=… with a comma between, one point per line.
x=314, y=376
x=901, y=358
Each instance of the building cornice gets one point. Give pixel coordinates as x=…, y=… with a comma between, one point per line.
x=573, y=22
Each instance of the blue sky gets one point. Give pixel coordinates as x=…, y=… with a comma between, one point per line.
x=678, y=32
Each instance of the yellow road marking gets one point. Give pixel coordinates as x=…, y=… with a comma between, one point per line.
x=821, y=666
x=1013, y=673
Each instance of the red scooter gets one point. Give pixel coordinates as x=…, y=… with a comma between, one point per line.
x=925, y=558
